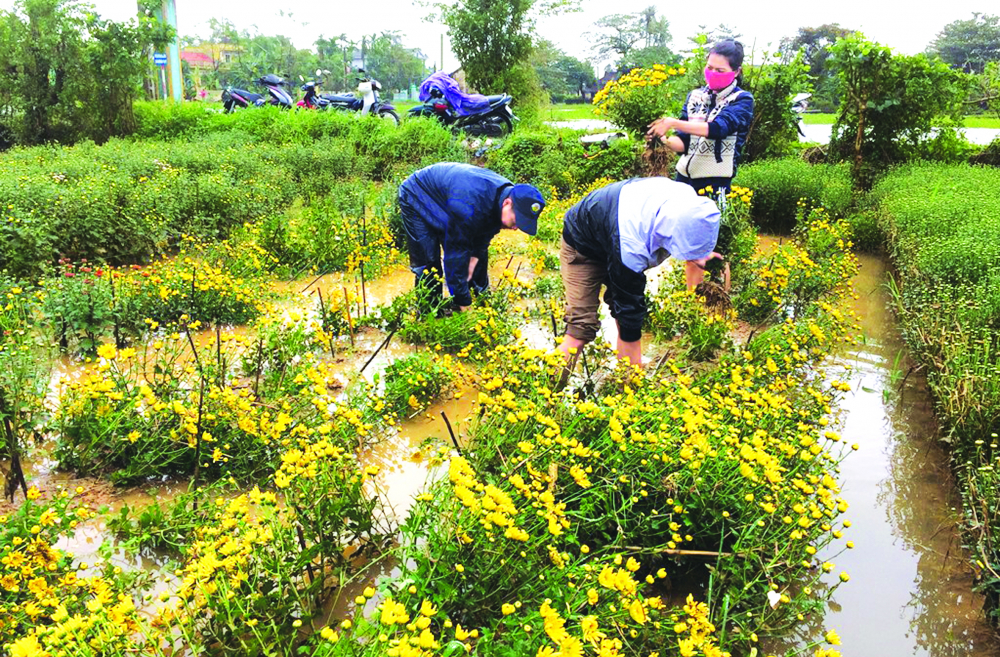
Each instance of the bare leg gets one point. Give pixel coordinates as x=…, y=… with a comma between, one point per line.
x=630, y=352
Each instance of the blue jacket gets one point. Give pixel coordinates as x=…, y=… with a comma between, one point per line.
x=461, y=203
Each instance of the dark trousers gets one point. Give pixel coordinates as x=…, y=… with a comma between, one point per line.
x=717, y=184
x=425, y=243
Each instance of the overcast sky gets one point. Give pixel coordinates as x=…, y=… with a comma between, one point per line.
x=907, y=29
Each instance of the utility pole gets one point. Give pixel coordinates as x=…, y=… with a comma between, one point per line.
x=442, y=51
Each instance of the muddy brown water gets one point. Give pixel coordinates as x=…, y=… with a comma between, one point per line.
x=910, y=591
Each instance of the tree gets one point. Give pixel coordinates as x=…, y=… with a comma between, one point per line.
x=647, y=57
x=335, y=54
x=621, y=37
x=68, y=73
x=562, y=76
x=815, y=42
x=889, y=104
x=578, y=74
x=47, y=62
x=988, y=88
x=118, y=56
x=489, y=37
x=254, y=55
x=969, y=44
x=774, y=128
x=706, y=36
x=395, y=65
x=493, y=39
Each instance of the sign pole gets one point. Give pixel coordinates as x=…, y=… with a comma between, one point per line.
x=173, y=52
x=170, y=60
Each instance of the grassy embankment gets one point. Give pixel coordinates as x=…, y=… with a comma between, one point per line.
x=942, y=225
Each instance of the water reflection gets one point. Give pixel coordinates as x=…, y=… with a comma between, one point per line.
x=910, y=588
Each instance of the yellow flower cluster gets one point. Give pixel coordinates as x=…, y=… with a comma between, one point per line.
x=45, y=605
x=494, y=506
x=636, y=78
x=695, y=631
x=742, y=194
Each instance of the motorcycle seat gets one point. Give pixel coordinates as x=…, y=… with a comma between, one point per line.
x=249, y=96
x=500, y=99
x=340, y=98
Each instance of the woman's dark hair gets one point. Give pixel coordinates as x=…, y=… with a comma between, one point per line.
x=731, y=50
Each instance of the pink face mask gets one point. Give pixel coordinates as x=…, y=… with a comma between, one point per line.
x=718, y=81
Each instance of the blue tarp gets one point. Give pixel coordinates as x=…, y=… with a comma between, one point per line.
x=460, y=101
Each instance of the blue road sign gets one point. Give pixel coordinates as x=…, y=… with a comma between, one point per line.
x=160, y=59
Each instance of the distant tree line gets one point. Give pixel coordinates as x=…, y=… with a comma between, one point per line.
x=252, y=55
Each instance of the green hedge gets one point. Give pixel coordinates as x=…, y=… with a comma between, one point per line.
x=942, y=224
x=778, y=185
x=127, y=200
x=552, y=158
x=380, y=149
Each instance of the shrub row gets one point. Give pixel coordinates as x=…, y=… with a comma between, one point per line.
x=779, y=185
x=554, y=159
x=126, y=201
x=942, y=224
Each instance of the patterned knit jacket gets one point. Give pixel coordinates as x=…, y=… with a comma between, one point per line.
x=729, y=113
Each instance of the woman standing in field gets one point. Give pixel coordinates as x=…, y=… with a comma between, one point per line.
x=713, y=124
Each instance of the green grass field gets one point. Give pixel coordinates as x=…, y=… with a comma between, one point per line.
x=970, y=121
x=818, y=119
x=566, y=112
x=982, y=122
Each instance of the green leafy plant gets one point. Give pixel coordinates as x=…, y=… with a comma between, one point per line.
x=773, y=129
x=941, y=230
x=778, y=186
x=414, y=382
x=889, y=104
x=24, y=370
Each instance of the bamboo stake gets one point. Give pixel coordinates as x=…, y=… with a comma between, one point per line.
x=451, y=433
x=322, y=310
x=380, y=348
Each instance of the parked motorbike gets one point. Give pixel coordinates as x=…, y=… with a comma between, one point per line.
x=800, y=103
x=367, y=101
x=234, y=98
x=311, y=98
x=479, y=116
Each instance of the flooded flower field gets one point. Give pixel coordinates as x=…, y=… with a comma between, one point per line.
x=227, y=463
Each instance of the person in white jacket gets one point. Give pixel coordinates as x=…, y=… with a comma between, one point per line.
x=616, y=233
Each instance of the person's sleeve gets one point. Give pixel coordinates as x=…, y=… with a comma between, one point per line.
x=683, y=116
x=734, y=117
x=482, y=251
x=628, y=300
